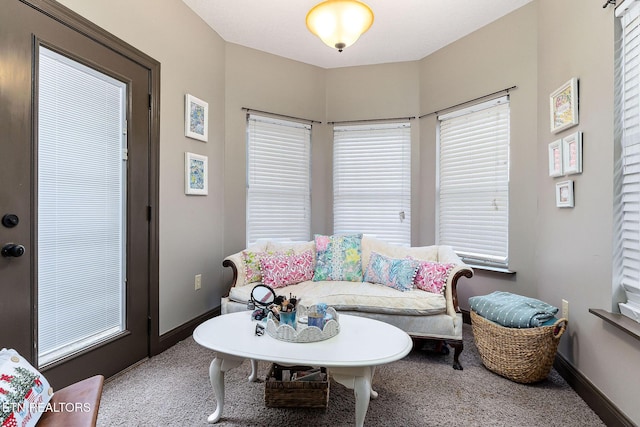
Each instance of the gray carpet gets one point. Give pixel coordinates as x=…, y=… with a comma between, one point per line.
x=172, y=389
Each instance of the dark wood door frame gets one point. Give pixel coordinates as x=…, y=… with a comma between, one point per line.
x=83, y=26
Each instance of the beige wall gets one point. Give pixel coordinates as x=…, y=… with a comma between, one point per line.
x=496, y=57
x=574, y=246
x=385, y=91
x=192, y=61
x=266, y=82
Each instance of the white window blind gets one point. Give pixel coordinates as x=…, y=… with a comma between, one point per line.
x=372, y=181
x=628, y=132
x=473, y=183
x=81, y=181
x=278, y=179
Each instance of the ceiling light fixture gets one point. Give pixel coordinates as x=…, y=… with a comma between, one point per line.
x=339, y=23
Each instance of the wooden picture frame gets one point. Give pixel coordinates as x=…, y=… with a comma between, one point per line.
x=563, y=106
x=196, y=118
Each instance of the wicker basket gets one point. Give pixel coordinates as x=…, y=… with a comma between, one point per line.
x=295, y=394
x=521, y=355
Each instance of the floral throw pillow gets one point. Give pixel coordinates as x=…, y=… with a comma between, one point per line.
x=338, y=258
x=283, y=270
x=396, y=273
x=251, y=259
x=432, y=276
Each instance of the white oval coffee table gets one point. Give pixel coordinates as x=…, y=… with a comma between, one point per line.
x=351, y=356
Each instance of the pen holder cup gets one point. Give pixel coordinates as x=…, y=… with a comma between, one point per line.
x=289, y=318
x=316, y=319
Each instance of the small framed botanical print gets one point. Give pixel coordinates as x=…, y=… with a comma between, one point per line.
x=196, y=118
x=196, y=174
x=572, y=153
x=564, y=194
x=563, y=106
x=555, y=158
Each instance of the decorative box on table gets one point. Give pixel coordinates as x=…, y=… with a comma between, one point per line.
x=297, y=393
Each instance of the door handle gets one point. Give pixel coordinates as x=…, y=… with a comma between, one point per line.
x=12, y=250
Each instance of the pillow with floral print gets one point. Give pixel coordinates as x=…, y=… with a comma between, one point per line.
x=432, y=276
x=338, y=257
x=393, y=272
x=282, y=270
x=251, y=259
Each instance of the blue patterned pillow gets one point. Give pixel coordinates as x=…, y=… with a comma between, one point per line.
x=395, y=273
x=338, y=258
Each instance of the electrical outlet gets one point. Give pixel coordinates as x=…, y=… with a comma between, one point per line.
x=198, y=281
x=565, y=309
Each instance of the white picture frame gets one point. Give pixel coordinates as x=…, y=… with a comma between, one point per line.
x=572, y=153
x=196, y=118
x=196, y=174
x=564, y=194
x=555, y=159
x=563, y=106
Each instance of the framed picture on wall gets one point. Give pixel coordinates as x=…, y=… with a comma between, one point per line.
x=196, y=174
x=563, y=106
x=196, y=118
x=572, y=153
x=555, y=158
x=564, y=194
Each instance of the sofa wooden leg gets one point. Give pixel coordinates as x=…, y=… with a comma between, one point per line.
x=457, y=346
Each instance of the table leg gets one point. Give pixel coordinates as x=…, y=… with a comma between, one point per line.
x=254, y=371
x=221, y=364
x=359, y=380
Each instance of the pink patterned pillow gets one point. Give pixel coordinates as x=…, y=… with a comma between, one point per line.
x=432, y=276
x=251, y=259
x=282, y=270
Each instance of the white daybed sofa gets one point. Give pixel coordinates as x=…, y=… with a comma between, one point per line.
x=421, y=314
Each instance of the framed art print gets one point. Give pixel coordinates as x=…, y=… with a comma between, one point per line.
x=564, y=194
x=196, y=118
x=196, y=174
x=555, y=158
x=572, y=153
x=563, y=106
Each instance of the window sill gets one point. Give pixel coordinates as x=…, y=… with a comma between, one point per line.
x=491, y=269
x=620, y=321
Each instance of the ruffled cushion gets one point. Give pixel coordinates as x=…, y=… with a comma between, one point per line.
x=432, y=276
x=282, y=270
x=396, y=273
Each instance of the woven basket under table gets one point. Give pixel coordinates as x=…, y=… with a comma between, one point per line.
x=523, y=355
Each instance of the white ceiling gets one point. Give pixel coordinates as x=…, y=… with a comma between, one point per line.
x=403, y=30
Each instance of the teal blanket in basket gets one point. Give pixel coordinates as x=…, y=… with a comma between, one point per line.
x=511, y=310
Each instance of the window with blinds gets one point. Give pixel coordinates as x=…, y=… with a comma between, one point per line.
x=627, y=205
x=372, y=181
x=278, y=179
x=473, y=183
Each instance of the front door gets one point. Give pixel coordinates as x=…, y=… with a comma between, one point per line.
x=75, y=192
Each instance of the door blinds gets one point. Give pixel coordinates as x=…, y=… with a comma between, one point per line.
x=81, y=203
x=473, y=183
